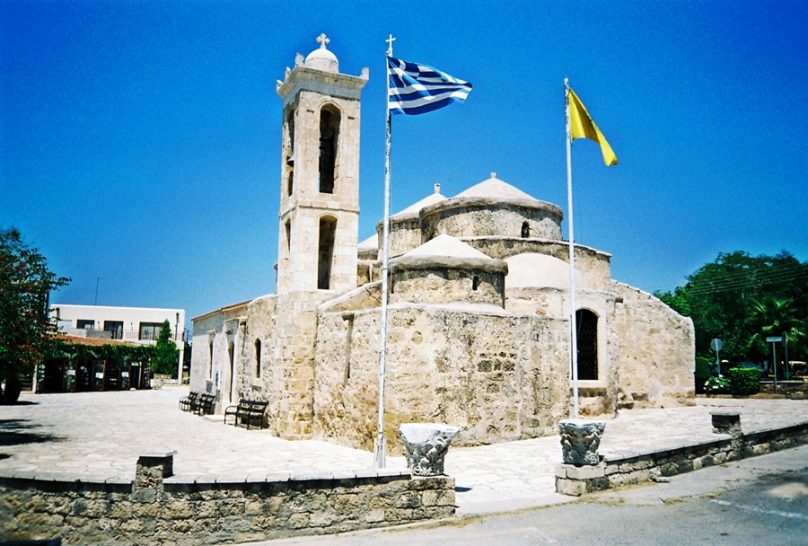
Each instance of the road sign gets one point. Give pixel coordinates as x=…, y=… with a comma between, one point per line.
x=774, y=339
x=716, y=344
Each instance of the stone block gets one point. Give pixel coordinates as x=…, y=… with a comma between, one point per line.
x=573, y=488
x=585, y=472
x=375, y=516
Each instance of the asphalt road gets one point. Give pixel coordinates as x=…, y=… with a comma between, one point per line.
x=763, y=500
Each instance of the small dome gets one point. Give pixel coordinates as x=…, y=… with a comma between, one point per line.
x=446, y=245
x=445, y=251
x=322, y=58
x=371, y=243
x=415, y=208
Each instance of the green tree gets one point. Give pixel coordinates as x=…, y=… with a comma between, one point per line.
x=25, y=328
x=775, y=317
x=721, y=298
x=166, y=354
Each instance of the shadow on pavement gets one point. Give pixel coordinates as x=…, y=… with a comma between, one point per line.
x=15, y=432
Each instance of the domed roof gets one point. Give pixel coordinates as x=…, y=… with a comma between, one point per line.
x=371, y=243
x=447, y=252
x=446, y=245
x=416, y=207
x=495, y=188
x=322, y=58
x=533, y=270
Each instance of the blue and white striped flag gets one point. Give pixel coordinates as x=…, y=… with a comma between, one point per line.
x=418, y=89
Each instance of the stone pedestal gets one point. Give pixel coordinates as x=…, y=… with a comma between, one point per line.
x=580, y=441
x=425, y=446
x=726, y=422
x=150, y=471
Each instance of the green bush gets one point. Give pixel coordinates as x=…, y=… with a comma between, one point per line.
x=744, y=381
x=717, y=385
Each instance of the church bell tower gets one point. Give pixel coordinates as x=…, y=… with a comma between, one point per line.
x=319, y=204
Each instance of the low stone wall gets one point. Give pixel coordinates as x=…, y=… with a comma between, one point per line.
x=156, y=509
x=656, y=465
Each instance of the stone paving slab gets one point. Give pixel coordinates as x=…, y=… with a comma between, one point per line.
x=77, y=435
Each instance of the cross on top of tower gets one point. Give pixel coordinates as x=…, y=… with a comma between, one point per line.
x=323, y=40
x=390, y=39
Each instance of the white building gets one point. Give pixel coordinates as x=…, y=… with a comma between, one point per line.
x=134, y=324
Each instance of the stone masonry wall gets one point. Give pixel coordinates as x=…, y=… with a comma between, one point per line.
x=292, y=390
x=442, y=285
x=487, y=219
x=653, y=350
x=405, y=234
x=184, y=513
x=261, y=324
x=497, y=376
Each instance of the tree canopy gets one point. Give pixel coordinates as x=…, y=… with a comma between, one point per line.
x=742, y=299
x=166, y=354
x=25, y=285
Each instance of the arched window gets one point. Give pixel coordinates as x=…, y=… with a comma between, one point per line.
x=290, y=154
x=329, y=138
x=525, y=230
x=288, y=226
x=587, y=336
x=257, y=358
x=328, y=230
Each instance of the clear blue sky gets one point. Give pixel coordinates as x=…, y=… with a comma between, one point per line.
x=139, y=141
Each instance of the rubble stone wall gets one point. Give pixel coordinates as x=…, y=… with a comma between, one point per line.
x=405, y=234
x=497, y=376
x=264, y=383
x=441, y=285
x=185, y=513
x=652, y=348
x=489, y=218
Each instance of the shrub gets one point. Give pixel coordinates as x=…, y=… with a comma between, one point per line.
x=717, y=385
x=744, y=381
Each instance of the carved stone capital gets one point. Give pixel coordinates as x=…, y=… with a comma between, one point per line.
x=580, y=441
x=425, y=446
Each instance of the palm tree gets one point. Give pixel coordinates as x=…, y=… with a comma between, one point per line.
x=774, y=317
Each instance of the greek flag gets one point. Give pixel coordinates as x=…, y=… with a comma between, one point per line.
x=416, y=89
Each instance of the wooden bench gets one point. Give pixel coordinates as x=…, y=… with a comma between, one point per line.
x=247, y=411
x=187, y=402
x=204, y=404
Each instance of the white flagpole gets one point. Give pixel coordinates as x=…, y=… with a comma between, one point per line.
x=380, y=441
x=573, y=325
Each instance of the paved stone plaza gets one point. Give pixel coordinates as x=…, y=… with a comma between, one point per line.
x=100, y=435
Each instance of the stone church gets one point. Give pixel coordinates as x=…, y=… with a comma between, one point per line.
x=478, y=319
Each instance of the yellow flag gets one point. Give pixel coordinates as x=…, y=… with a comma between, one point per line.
x=583, y=126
